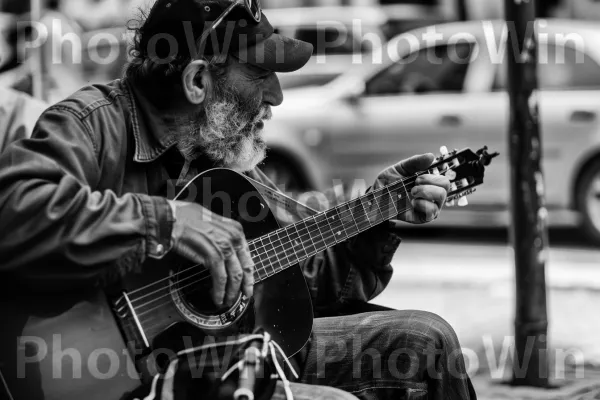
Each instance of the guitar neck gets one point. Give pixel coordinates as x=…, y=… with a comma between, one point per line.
x=295, y=243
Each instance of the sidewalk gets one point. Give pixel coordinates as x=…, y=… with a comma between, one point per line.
x=577, y=390
x=472, y=287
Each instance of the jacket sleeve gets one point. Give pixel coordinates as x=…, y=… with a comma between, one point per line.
x=55, y=224
x=355, y=270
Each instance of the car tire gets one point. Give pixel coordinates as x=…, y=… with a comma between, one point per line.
x=588, y=201
x=285, y=175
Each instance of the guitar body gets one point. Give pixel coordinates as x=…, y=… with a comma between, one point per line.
x=100, y=347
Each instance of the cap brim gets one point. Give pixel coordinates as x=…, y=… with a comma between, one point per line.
x=277, y=53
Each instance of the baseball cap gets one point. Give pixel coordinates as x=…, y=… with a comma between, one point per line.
x=173, y=27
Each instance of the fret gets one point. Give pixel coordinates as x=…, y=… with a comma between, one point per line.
x=260, y=272
x=269, y=255
x=404, y=198
x=279, y=247
x=335, y=224
x=316, y=241
x=305, y=237
x=392, y=197
x=295, y=241
x=341, y=232
x=258, y=255
x=320, y=243
x=380, y=201
x=361, y=218
x=288, y=250
x=324, y=226
x=346, y=212
x=368, y=203
x=278, y=243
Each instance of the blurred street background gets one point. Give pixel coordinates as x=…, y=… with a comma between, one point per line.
x=467, y=276
x=389, y=79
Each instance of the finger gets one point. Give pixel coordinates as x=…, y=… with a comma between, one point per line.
x=247, y=264
x=234, y=278
x=219, y=278
x=414, y=164
x=424, y=210
x=434, y=194
x=206, y=246
x=435, y=180
x=234, y=230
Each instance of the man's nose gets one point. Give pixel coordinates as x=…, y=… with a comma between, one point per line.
x=272, y=92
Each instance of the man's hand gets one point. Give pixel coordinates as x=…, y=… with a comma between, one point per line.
x=429, y=193
x=219, y=244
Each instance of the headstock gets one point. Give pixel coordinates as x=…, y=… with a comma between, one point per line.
x=468, y=171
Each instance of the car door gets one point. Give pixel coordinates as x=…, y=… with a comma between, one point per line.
x=413, y=106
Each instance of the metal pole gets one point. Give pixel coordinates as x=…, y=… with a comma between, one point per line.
x=461, y=11
x=528, y=230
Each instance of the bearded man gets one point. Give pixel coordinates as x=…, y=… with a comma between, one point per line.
x=86, y=199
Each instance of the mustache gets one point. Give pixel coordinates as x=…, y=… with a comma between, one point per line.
x=264, y=114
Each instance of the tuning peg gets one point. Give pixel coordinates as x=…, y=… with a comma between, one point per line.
x=451, y=203
x=463, y=202
x=443, y=150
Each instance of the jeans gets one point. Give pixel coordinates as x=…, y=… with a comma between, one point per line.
x=383, y=355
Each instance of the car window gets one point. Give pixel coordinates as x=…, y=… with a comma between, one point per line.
x=564, y=68
x=318, y=36
x=436, y=69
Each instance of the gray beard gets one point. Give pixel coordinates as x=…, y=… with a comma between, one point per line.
x=226, y=133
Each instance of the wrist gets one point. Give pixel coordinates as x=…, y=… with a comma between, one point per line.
x=159, y=226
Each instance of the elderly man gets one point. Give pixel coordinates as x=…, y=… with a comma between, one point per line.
x=86, y=197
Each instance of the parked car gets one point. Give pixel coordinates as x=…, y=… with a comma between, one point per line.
x=340, y=35
x=374, y=115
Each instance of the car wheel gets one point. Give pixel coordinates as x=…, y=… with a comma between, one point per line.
x=588, y=201
x=285, y=175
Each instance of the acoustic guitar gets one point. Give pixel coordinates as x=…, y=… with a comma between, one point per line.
x=104, y=345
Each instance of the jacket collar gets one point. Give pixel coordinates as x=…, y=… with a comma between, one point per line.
x=151, y=133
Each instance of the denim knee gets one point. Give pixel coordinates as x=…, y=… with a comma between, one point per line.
x=434, y=327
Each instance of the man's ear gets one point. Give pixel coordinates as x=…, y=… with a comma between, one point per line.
x=196, y=81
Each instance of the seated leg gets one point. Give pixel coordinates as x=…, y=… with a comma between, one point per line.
x=302, y=391
x=388, y=354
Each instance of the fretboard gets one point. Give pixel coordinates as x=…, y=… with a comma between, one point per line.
x=295, y=243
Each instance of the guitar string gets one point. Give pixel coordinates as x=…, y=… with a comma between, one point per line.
x=258, y=254
x=257, y=251
x=277, y=255
x=259, y=239
x=306, y=256
x=260, y=279
x=151, y=317
x=278, y=231
x=142, y=313
x=308, y=226
x=308, y=233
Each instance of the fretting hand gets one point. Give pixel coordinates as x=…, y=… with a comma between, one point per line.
x=219, y=244
x=429, y=193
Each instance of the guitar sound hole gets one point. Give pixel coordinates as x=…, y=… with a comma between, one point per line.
x=195, y=286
